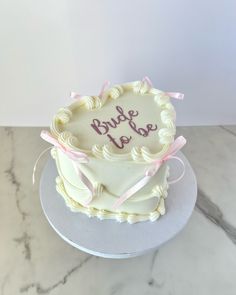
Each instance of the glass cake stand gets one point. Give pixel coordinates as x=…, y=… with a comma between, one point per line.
x=109, y=238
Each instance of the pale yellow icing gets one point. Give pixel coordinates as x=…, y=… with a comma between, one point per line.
x=111, y=170
x=73, y=120
x=109, y=186
x=105, y=214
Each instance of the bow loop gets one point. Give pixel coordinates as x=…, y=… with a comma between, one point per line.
x=74, y=155
x=50, y=139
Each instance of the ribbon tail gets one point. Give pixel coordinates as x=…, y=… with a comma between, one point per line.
x=176, y=95
x=37, y=161
x=149, y=82
x=131, y=191
x=176, y=145
x=104, y=87
x=76, y=96
x=86, y=182
x=140, y=184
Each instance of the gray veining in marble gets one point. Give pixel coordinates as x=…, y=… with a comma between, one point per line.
x=25, y=240
x=229, y=129
x=45, y=290
x=211, y=211
x=10, y=172
x=200, y=260
x=212, y=153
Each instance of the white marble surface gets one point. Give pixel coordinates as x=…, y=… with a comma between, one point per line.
x=200, y=260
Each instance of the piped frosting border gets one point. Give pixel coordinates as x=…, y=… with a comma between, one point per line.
x=137, y=154
x=104, y=214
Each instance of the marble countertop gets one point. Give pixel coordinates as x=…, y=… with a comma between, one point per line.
x=200, y=260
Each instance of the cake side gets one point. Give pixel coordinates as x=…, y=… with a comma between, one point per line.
x=109, y=186
x=111, y=152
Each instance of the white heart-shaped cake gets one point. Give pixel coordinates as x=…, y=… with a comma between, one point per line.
x=110, y=152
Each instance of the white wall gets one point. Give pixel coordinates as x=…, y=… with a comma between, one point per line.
x=50, y=47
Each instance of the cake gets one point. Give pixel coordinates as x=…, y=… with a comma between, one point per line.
x=111, y=151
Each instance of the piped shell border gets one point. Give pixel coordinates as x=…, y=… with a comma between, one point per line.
x=104, y=214
x=137, y=154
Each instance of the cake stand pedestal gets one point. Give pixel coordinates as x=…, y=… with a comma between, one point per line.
x=109, y=238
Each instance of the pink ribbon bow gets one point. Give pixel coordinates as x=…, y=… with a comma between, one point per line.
x=150, y=172
x=78, y=157
x=176, y=95
x=104, y=88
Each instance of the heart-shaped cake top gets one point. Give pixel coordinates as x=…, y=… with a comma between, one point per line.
x=132, y=121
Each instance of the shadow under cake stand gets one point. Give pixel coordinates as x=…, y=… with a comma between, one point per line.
x=109, y=238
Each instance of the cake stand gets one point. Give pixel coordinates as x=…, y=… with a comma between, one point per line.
x=109, y=238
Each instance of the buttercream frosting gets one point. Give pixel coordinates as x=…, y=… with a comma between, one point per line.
x=122, y=132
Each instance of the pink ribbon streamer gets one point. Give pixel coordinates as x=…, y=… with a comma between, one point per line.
x=105, y=85
x=148, y=81
x=174, y=148
x=78, y=157
x=176, y=95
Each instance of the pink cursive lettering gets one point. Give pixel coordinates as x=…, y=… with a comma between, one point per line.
x=123, y=140
x=142, y=131
x=100, y=128
x=103, y=127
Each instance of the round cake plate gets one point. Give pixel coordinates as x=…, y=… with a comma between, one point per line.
x=109, y=238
